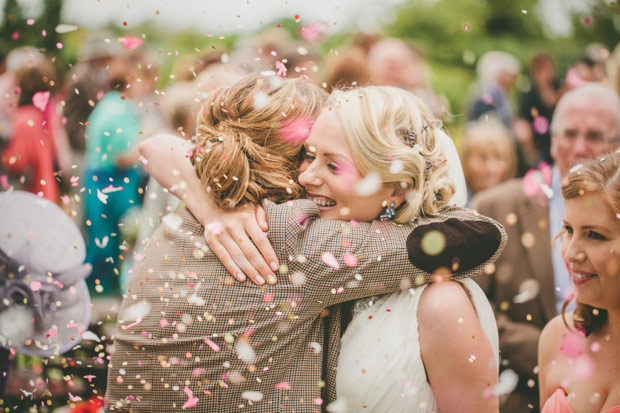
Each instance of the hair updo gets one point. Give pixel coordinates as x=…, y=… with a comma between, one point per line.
x=382, y=124
x=247, y=139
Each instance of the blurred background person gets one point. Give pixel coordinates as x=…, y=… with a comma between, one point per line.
x=112, y=176
x=537, y=104
x=31, y=155
x=487, y=154
x=497, y=74
x=348, y=67
x=393, y=62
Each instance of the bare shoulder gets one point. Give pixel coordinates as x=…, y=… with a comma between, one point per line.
x=442, y=303
x=551, y=337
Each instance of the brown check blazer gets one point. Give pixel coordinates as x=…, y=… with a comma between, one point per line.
x=200, y=339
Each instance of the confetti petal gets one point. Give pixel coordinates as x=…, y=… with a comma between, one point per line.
x=66, y=28
x=131, y=42
x=191, y=400
x=253, y=396
x=40, y=100
x=329, y=259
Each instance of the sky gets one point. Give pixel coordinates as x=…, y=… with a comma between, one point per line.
x=233, y=16
x=221, y=16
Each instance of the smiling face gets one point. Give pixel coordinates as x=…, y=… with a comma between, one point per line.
x=591, y=249
x=330, y=175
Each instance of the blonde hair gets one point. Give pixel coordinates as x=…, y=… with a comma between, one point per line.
x=377, y=121
x=486, y=134
x=241, y=154
x=600, y=176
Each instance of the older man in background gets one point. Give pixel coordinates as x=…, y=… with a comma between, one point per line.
x=530, y=281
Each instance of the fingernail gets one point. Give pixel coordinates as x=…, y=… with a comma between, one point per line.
x=274, y=266
x=271, y=279
x=260, y=280
x=241, y=277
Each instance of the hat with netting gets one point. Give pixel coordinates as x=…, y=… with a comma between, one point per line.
x=44, y=301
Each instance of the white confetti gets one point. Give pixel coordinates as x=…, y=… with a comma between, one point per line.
x=367, y=186
x=245, y=352
x=253, y=396
x=89, y=335
x=173, y=221
x=527, y=291
x=396, y=166
x=66, y=28
x=260, y=100
x=137, y=311
x=102, y=197
x=507, y=382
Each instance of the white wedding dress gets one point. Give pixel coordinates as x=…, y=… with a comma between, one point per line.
x=380, y=367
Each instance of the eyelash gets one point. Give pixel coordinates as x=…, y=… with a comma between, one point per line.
x=592, y=234
x=306, y=157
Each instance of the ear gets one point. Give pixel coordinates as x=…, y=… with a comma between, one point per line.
x=398, y=195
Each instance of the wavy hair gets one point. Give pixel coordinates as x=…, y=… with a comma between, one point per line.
x=244, y=152
x=378, y=121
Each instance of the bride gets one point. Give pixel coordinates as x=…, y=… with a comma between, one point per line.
x=426, y=349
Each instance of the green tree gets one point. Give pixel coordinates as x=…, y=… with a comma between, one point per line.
x=12, y=22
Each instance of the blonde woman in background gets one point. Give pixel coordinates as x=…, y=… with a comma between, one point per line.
x=488, y=155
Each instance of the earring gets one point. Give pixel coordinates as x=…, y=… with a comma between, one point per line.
x=388, y=213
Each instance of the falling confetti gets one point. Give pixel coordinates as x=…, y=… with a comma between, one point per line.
x=368, y=185
x=66, y=28
x=528, y=290
x=253, y=396
x=131, y=42
x=40, y=100
x=433, y=243
x=191, y=400
x=281, y=68
x=329, y=259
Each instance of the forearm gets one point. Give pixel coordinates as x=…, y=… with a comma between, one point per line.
x=168, y=163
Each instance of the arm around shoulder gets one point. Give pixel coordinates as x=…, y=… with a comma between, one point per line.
x=457, y=354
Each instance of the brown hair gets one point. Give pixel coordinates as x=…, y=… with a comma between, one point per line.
x=601, y=176
x=242, y=154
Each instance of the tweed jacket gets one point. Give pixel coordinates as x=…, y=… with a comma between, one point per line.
x=527, y=257
x=189, y=335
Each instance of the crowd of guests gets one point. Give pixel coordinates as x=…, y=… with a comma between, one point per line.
x=74, y=141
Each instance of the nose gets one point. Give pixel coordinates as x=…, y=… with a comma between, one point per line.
x=309, y=176
x=571, y=250
x=580, y=146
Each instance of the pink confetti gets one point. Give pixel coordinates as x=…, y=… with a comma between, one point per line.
x=197, y=372
x=587, y=21
x=58, y=284
x=131, y=42
x=213, y=346
x=59, y=45
x=318, y=401
x=214, y=227
x=35, y=285
x=281, y=68
x=163, y=323
x=583, y=367
x=572, y=344
x=534, y=180
x=40, y=100
x=191, y=400
x=100, y=95
x=329, y=259
x=52, y=332
x=30, y=21
x=135, y=323
x=74, y=398
x=297, y=130
x=312, y=33
x=285, y=385
x=15, y=36
x=4, y=179
x=44, y=33
x=540, y=125
x=350, y=260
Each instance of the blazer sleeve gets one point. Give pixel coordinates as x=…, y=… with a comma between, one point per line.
x=338, y=261
x=518, y=341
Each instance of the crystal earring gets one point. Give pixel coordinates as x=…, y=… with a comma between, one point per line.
x=388, y=213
